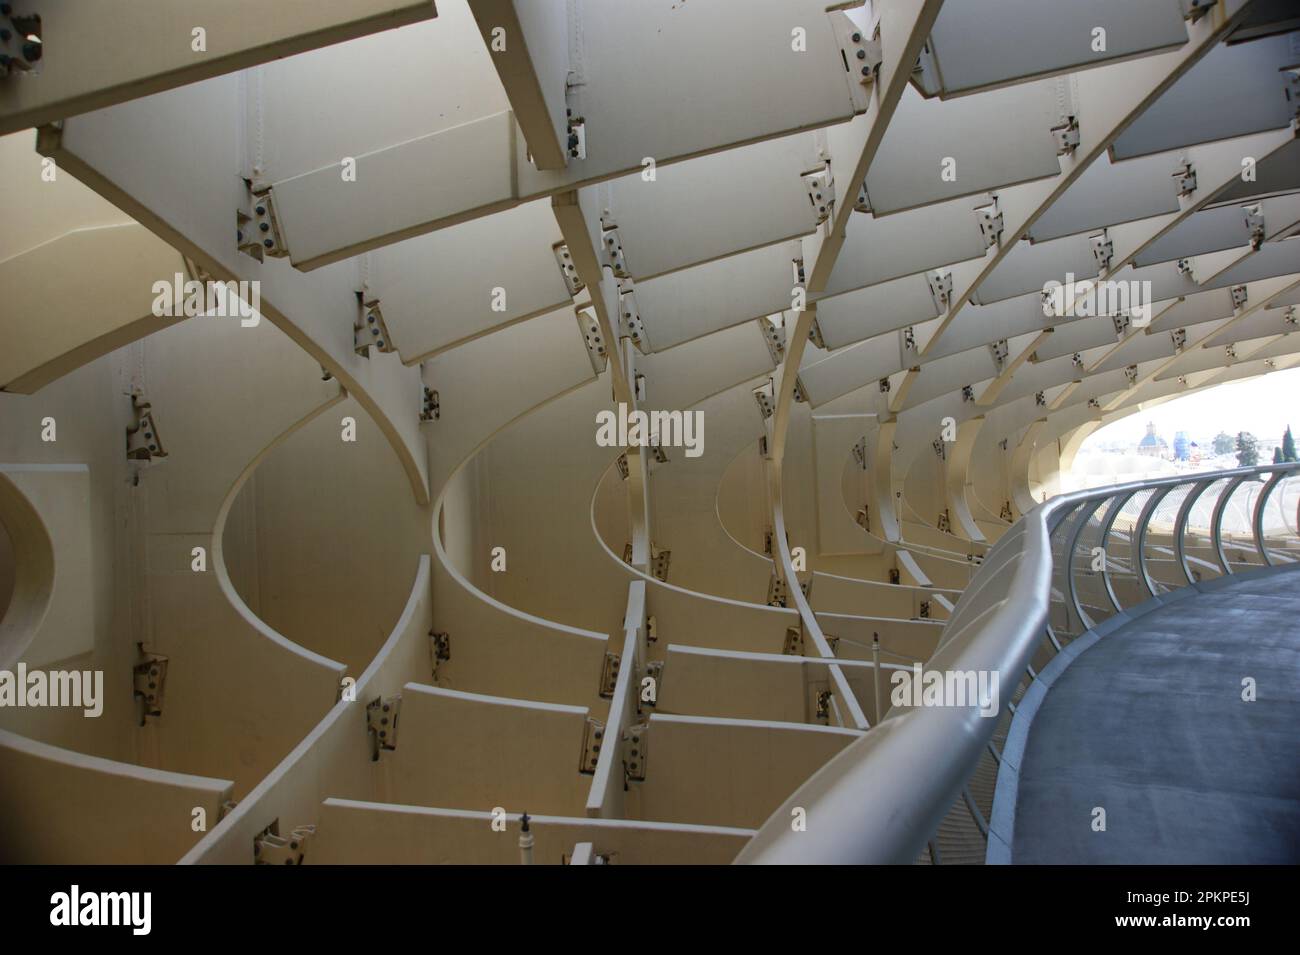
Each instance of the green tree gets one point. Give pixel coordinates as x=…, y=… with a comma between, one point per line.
x=1277, y=456
x=1223, y=443
x=1288, y=446
x=1247, y=450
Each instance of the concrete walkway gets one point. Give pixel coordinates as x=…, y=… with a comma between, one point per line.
x=1150, y=725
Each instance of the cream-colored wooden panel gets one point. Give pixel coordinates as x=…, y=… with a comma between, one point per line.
x=47, y=511
x=472, y=751
x=725, y=771
x=358, y=833
x=93, y=51
x=66, y=808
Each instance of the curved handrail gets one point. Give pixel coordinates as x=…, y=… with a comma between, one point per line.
x=883, y=797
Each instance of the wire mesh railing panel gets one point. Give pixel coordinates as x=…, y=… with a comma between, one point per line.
x=1279, y=521
x=1237, y=536
x=1198, y=532
x=1159, y=549
x=1089, y=564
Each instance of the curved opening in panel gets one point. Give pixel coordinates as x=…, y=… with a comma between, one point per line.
x=26, y=572
x=1240, y=424
x=321, y=538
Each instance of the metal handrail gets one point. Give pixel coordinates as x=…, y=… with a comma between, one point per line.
x=881, y=800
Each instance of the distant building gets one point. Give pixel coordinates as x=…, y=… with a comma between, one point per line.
x=1152, y=444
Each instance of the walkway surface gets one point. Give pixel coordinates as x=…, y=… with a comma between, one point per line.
x=1149, y=724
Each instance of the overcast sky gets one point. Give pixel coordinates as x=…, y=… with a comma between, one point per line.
x=1264, y=406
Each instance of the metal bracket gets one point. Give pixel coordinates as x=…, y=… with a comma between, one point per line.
x=149, y=681
x=774, y=338
x=863, y=517
x=945, y=521
x=1001, y=351
x=20, y=42
x=1103, y=250
x=381, y=721
x=1066, y=136
x=1231, y=352
x=823, y=705
x=369, y=330
x=651, y=629
x=431, y=408
x=800, y=395
x=634, y=751
x=1195, y=9
x=1040, y=399
x=793, y=646
x=270, y=848
x=1185, y=178
x=142, y=441
x=797, y=266
x=1131, y=373
x=1187, y=269
x=923, y=610
x=860, y=453
x=576, y=142
x=609, y=674
x=1239, y=295
x=257, y=228
x=1291, y=88
x=1094, y=404
x=592, y=338
x=765, y=395
x=1121, y=323
x=885, y=386
x=439, y=649
x=777, y=592
x=611, y=248
x=815, y=335
x=621, y=461
x=1255, y=225
x=567, y=268
x=990, y=223
x=861, y=56
x=630, y=324
x=593, y=735
x=1076, y=360
x=863, y=202
x=940, y=283
x=821, y=192
x=659, y=561
x=967, y=393
x=1179, y=338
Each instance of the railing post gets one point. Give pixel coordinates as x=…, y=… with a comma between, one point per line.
x=1216, y=522
x=1085, y=513
x=1117, y=505
x=1140, y=538
x=1180, y=526
x=1257, y=523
